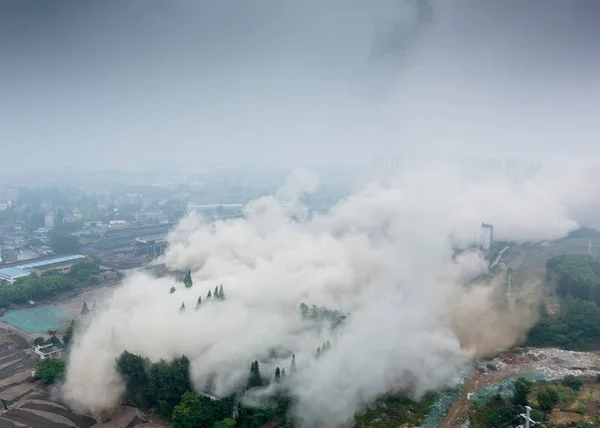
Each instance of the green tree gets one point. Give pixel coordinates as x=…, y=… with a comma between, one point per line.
x=225, y=423
x=85, y=310
x=168, y=381
x=182, y=308
x=293, y=365
x=199, y=303
x=194, y=411
x=254, y=379
x=572, y=382
x=172, y=290
x=522, y=389
x=547, y=398
x=209, y=295
x=216, y=293
x=38, y=341
x=50, y=370
x=277, y=374
x=134, y=370
x=187, y=281
x=221, y=293
x=53, y=340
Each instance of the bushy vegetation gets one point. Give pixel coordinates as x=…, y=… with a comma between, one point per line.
x=48, y=285
x=575, y=275
x=577, y=326
x=393, y=410
x=165, y=387
x=322, y=314
x=50, y=370
x=542, y=397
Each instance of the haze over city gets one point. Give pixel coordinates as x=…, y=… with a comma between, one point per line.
x=340, y=214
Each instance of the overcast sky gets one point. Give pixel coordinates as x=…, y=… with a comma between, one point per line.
x=130, y=83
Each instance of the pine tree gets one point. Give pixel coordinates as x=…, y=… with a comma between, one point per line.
x=216, y=293
x=182, y=308
x=199, y=302
x=221, y=293
x=187, y=281
x=318, y=352
x=172, y=290
x=254, y=379
x=209, y=295
x=85, y=310
x=277, y=374
x=293, y=365
x=282, y=372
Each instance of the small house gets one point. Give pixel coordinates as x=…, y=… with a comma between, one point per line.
x=48, y=351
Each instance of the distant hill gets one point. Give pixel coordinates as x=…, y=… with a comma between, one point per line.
x=584, y=232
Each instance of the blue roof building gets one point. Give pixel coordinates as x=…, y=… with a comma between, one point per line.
x=11, y=274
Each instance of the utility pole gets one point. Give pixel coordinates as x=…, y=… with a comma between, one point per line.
x=528, y=420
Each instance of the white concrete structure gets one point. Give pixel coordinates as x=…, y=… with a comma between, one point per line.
x=48, y=351
x=49, y=220
x=487, y=236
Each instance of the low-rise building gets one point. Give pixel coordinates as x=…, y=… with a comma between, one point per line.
x=11, y=274
x=48, y=351
x=37, y=266
x=60, y=263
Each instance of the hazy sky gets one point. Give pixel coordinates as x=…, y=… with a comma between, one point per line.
x=127, y=83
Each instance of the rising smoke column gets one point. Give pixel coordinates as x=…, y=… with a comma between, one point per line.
x=384, y=255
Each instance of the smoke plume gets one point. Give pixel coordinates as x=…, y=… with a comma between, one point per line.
x=385, y=255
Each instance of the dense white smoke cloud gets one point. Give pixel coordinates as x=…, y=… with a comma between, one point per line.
x=384, y=255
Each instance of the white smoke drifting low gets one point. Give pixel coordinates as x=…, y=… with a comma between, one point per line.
x=384, y=255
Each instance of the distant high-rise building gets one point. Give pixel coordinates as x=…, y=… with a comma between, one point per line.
x=49, y=219
x=487, y=236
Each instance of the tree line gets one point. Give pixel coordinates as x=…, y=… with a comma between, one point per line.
x=575, y=275
x=219, y=293
x=166, y=388
x=575, y=327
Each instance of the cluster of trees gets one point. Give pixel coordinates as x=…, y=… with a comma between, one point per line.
x=575, y=275
x=48, y=285
x=317, y=313
x=576, y=327
x=166, y=388
x=50, y=370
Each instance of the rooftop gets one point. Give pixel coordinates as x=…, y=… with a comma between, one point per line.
x=13, y=272
x=48, y=349
x=50, y=261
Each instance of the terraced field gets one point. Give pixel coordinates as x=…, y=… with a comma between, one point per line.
x=28, y=403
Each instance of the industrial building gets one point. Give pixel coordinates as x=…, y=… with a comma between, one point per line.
x=124, y=239
x=11, y=274
x=13, y=271
x=154, y=245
